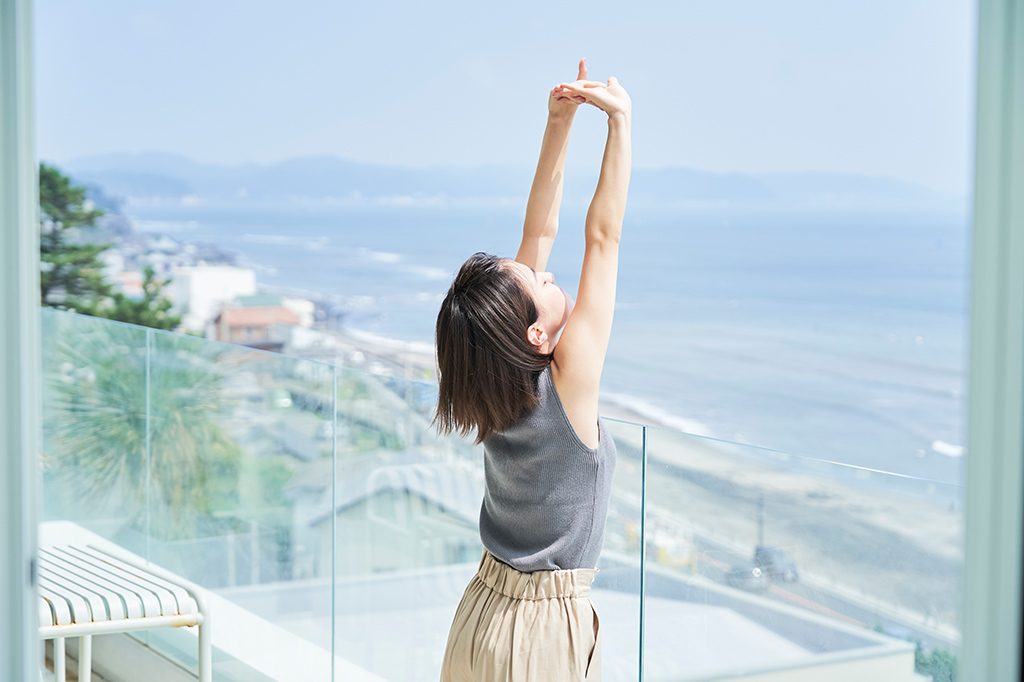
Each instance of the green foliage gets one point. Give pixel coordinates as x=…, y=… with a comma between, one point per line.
x=941, y=664
x=274, y=475
x=351, y=388
x=161, y=452
x=71, y=275
x=152, y=310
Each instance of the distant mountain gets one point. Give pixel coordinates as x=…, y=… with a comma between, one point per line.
x=154, y=175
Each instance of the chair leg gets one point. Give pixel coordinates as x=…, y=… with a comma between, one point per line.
x=59, y=671
x=85, y=659
x=205, y=657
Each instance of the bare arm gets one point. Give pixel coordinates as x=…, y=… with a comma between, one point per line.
x=541, y=224
x=584, y=343
x=579, y=356
x=608, y=207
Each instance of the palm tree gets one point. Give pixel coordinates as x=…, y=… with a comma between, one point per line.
x=133, y=423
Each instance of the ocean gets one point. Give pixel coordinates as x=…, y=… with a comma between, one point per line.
x=832, y=333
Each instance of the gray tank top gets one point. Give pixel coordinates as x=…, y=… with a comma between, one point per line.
x=546, y=493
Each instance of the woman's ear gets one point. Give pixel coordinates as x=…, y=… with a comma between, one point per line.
x=536, y=335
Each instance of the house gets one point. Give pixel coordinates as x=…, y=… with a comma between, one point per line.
x=403, y=513
x=198, y=291
x=258, y=326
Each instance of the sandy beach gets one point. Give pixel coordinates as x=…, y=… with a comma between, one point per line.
x=899, y=551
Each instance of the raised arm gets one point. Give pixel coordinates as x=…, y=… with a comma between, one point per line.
x=608, y=207
x=540, y=226
x=579, y=356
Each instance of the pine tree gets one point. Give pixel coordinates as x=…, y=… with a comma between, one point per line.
x=152, y=310
x=71, y=273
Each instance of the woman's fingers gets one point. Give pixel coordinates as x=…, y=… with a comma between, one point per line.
x=560, y=93
x=579, y=99
x=583, y=69
x=578, y=95
x=584, y=84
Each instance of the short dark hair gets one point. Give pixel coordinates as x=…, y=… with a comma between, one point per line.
x=487, y=369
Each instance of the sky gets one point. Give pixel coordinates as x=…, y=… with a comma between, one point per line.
x=875, y=87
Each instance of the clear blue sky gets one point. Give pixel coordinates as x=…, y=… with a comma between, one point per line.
x=879, y=87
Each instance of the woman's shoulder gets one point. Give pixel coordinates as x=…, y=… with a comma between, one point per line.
x=579, y=406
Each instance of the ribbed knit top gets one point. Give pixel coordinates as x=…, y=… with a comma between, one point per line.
x=546, y=493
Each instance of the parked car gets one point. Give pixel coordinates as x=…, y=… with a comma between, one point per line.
x=280, y=397
x=776, y=563
x=747, y=577
x=325, y=430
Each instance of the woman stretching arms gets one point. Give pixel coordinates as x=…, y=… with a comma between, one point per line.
x=521, y=365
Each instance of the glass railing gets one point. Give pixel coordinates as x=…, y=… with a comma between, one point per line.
x=762, y=561
x=334, y=532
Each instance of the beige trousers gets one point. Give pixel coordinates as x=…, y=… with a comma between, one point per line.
x=517, y=627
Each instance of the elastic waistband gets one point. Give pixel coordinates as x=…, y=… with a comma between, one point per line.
x=502, y=578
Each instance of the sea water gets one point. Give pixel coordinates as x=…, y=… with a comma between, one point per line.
x=831, y=333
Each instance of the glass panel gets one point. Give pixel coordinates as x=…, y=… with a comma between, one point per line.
x=616, y=592
x=759, y=560
x=406, y=512
x=239, y=439
x=219, y=469
x=408, y=539
x=94, y=459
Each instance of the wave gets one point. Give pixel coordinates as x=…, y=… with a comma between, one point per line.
x=655, y=415
x=429, y=272
x=309, y=243
x=259, y=268
x=411, y=200
x=390, y=343
x=360, y=302
x=168, y=226
x=371, y=256
x=390, y=258
x=948, y=449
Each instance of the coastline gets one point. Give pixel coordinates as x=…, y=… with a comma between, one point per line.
x=844, y=525
x=418, y=358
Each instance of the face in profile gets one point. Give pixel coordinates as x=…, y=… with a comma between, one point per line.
x=553, y=304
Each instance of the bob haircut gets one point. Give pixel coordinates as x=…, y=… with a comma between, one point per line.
x=487, y=369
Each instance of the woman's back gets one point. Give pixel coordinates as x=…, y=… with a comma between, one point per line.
x=546, y=496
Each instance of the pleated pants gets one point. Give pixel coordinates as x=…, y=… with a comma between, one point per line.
x=512, y=626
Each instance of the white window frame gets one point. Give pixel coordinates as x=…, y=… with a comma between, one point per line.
x=20, y=366
x=991, y=586
x=991, y=597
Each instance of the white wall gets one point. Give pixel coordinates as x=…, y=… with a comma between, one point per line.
x=202, y=289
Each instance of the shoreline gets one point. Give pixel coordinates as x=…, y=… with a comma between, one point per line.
x=842, y=531
x=419, y=357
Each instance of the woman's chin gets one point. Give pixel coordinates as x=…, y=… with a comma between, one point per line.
x=569, y=303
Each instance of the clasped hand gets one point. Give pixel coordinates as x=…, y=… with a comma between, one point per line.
x=609, y=97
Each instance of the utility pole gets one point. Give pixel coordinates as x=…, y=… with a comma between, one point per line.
x=760, y=519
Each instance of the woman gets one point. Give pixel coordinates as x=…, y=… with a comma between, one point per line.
x=521, y=365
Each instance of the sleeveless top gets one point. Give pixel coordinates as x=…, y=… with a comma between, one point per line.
x=546, y=493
